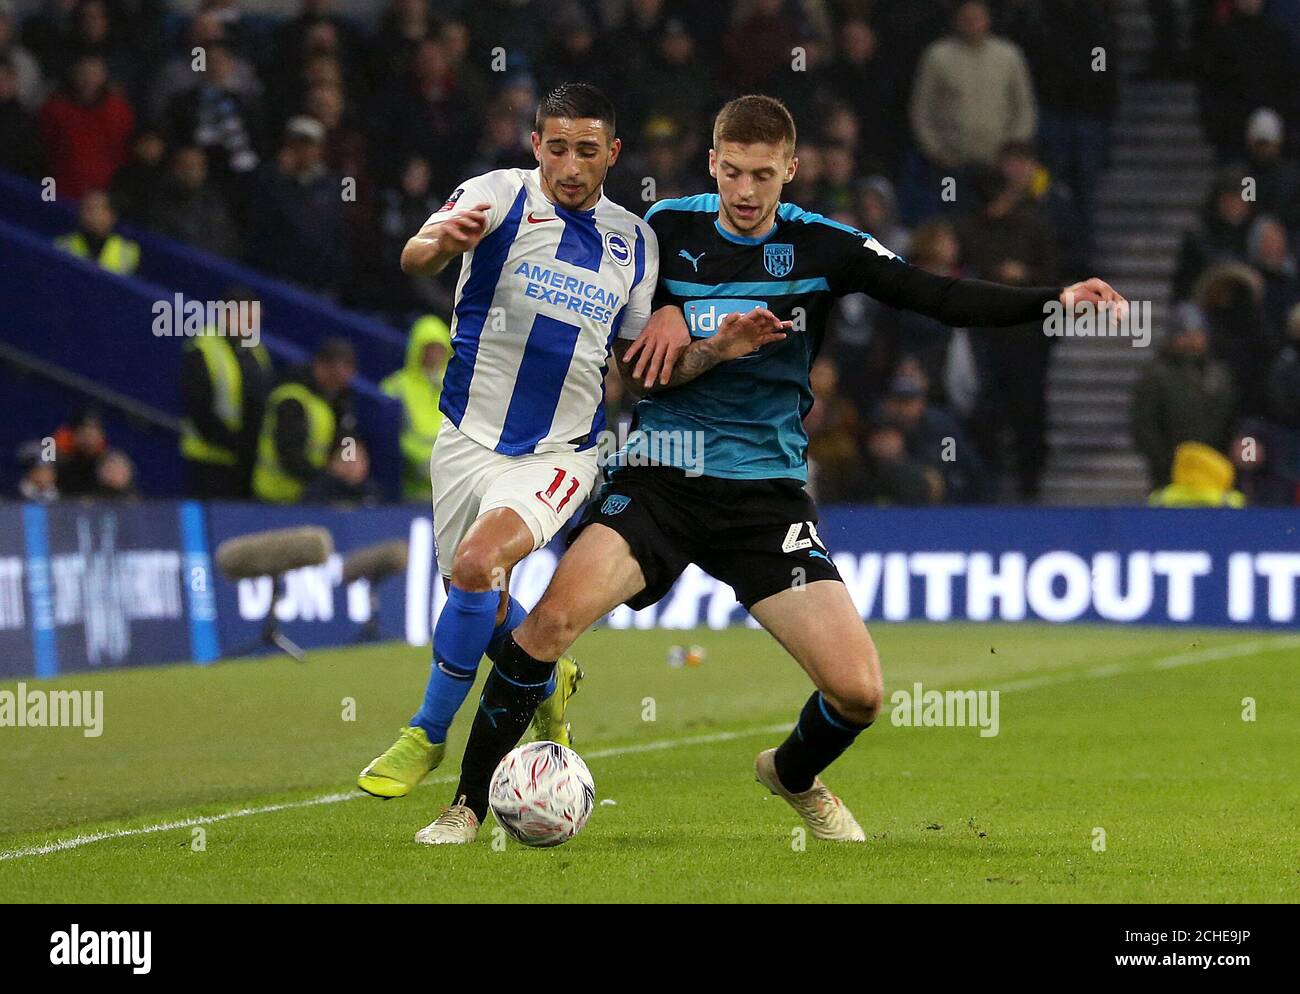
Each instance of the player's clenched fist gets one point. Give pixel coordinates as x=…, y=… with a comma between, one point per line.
x=741, y=334
x=463, y=231
x=441, y=241
x=1094, y=291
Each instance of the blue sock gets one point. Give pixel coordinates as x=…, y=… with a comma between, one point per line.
x=515, y=614
x=459, y=639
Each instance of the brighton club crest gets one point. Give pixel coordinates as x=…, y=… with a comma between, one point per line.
x=778, y=259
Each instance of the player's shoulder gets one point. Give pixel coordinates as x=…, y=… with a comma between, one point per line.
x=817, y=223
x=835, y=233
x=614, y=215
x=499, y=180
x=498, y=187
x=699, y=207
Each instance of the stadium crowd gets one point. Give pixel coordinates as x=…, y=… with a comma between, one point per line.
x=1228, y=372
x=312, y=147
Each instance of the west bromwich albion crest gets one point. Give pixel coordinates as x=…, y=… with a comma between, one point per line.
x=778, y=259
x=615, y=504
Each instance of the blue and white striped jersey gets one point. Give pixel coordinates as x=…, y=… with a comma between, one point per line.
x=539, y=302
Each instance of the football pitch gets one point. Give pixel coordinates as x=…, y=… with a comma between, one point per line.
x=1124, y=769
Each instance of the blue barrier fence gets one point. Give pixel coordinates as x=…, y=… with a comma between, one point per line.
x=289, y=314
x=33, y=405
x=89, y=586
x=71, y=313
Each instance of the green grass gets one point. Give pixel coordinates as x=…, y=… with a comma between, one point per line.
x=1196, y=804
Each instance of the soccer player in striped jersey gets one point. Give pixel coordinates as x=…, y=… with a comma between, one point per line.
x=752, y=280
x=552, y=273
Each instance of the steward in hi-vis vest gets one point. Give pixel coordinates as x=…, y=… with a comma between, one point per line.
x=306, y=417
x=225, y=380
x=94, y=239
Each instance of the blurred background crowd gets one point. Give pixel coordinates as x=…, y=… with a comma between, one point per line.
x=311, y=146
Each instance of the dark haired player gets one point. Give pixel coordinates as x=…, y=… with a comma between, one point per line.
x=552, y=273
x=740, y=267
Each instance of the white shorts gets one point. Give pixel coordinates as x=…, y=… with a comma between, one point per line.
x=469, y=479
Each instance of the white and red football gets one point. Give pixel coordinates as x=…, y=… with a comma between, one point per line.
x=542, y=794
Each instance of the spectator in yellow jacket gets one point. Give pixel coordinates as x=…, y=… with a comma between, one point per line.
x=94, y=238
x=418, y=385
x=1202, y=477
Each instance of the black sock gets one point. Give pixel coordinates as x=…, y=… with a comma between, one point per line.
x=818, y=739
x=514, y=688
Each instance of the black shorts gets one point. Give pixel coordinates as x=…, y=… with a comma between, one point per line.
x=758, y=536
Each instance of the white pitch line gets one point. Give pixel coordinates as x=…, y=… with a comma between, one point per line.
x=1226, y=652
x=692, y=740
x=76, y=842
x=1166, y=662
x=1231, y=651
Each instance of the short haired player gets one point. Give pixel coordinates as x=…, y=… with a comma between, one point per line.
x=552, y=273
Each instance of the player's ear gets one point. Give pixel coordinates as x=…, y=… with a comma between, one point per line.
x=791, y=168
x=615, y=147
x=537, y=147
x=713, y=163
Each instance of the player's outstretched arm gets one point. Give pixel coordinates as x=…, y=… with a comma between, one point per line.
x=963, y=302
x=738, y=335
x=427, y=253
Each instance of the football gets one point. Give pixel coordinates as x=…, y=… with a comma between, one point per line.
x=542, y=794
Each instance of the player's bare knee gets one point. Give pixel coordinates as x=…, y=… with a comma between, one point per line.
x=858, y=701
x=476, y=567
x=552, y=628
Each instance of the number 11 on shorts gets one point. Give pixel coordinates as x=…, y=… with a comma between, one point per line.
x=548, y=495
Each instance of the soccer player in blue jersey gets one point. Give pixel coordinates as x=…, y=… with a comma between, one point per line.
x=738, y=269
x=552, y=272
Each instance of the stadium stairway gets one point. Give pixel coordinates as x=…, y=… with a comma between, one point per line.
x=1159, y=172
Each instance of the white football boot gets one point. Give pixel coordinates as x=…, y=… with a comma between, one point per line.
x=456, y=826
x=821, y=810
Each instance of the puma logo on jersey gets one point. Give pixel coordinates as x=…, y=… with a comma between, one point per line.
x=694, y=260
